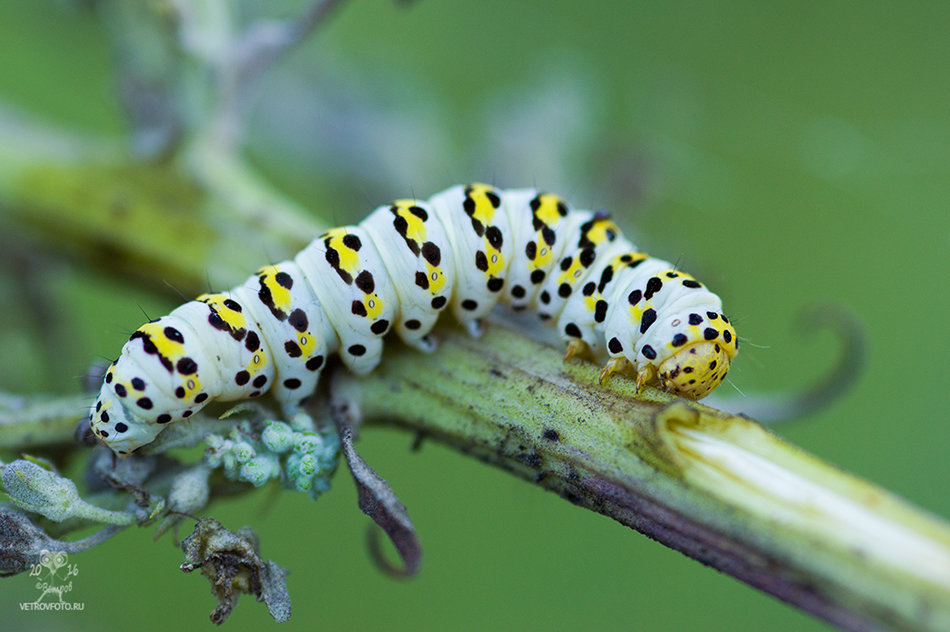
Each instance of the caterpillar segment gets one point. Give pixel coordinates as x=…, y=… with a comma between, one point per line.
x=466, y=248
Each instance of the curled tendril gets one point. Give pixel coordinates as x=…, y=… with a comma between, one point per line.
x=773, y=408
x=378, y=501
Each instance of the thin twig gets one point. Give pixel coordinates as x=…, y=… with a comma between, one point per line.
x=264, y=42
x=249, y=55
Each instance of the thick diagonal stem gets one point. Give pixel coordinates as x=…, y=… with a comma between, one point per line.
x=719, y=488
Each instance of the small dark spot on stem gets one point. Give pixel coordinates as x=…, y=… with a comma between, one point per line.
x=532, y=460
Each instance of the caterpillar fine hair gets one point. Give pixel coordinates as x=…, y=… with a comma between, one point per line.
x=467, y=247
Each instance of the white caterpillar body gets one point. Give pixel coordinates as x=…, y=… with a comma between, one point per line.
x=467, y=247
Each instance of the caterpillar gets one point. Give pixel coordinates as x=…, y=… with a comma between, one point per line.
x=467, y=248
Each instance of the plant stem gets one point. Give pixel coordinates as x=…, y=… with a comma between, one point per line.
x=716, y=487
x=39, y=421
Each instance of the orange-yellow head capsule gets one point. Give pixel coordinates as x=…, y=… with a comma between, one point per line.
x=697, y=367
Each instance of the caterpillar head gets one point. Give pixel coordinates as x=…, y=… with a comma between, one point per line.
x=701, y=357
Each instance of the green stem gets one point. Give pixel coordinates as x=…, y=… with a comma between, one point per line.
x=97, y=515
x=40, y=421
x=716, y=487
x=179, y=224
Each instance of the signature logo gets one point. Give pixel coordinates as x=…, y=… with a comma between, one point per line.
x=54, y=573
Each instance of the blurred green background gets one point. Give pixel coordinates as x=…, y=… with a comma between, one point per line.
x=786, y=153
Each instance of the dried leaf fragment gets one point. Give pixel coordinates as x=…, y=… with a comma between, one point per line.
x=232, y=563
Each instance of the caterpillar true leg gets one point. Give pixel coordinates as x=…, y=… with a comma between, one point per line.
x=613, y=365
x=576, y=347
